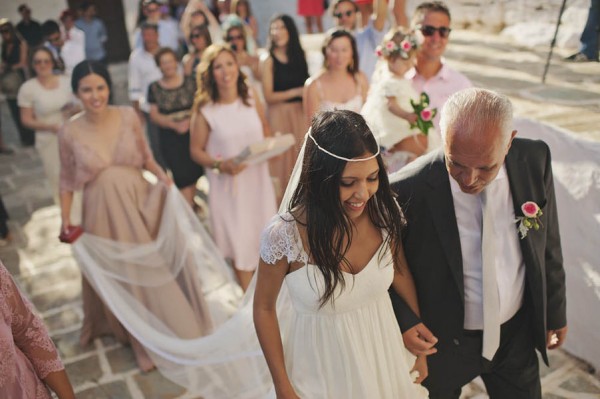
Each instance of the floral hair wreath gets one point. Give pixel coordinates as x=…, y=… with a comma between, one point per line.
x=390, y=48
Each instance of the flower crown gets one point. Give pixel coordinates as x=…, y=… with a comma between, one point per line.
x=390, y=48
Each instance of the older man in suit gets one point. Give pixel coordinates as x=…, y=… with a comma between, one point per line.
x=489, y=295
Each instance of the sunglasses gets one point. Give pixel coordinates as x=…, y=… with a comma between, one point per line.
x=195, y=36
x=428, y=30
x=42, y=61
x=4, y=31
x=341, y=14
x=231, y=38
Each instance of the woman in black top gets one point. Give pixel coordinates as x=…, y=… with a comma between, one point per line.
x=13, y=73
x=171, y=100
x=283, y=75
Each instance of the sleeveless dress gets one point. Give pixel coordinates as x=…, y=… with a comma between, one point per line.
x=351, y=349
x=175, y=147
x=286, y=117
x=120, y=206
x=354, y=104
x=240, y=205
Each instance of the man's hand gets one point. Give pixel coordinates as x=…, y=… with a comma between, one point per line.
x=555, y=338
x=419, y=340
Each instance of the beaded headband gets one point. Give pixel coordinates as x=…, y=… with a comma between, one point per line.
x=340, y=157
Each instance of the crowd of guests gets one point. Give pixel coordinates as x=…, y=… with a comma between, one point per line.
x=202, y=90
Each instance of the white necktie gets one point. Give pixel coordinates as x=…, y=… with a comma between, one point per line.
x=491, y=302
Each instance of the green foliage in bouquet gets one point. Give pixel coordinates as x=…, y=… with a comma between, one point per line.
x=424, y=114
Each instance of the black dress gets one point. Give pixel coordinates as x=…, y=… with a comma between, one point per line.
x=175, y=147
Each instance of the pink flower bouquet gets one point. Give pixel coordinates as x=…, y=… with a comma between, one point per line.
x=425, y=114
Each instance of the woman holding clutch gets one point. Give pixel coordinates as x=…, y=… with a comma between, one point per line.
x=170, y=101
x=134, y=251
x=226, y=118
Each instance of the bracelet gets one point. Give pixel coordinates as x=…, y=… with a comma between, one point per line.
x=216, y=166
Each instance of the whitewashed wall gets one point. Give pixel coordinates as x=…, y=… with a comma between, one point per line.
x=41, y=9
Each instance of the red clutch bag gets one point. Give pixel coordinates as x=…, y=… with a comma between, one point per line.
x=71, y=234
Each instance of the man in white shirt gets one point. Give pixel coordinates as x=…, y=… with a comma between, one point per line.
x=169, y=34
x=67, y=53
x=490, y=295
x=432, y=74
x=143, y=71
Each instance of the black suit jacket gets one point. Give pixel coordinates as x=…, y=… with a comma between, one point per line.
x=432, y=246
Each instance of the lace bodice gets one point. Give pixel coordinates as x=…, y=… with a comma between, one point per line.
x=23, y=339
x=81, y=163
x=281, y=238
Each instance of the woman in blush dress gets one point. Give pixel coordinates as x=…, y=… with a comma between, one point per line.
x=45, y=102
x=339, y=84
x=337, y=246
x=136, y=249
x=227, y=117
x=284, y=72
x=30, y=363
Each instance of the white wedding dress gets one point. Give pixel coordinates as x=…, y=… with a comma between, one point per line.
x=352, y=348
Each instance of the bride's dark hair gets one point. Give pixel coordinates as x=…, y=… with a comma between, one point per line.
x=317, y=197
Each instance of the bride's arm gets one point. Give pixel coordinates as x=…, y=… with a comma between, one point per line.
x=268, y=284
x=403, y=283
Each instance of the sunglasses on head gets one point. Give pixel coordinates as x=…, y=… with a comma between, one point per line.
x=341, y=14
x=428, y=30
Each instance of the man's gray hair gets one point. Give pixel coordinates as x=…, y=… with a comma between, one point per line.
x=469, y=111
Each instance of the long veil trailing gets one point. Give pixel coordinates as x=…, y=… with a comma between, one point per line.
x=178, y=297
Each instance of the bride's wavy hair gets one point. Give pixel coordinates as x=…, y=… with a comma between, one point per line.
x=317, y=196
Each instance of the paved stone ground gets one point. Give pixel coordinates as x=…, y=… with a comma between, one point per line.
x=48, y=274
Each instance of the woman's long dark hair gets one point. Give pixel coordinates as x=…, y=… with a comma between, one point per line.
x=317, y=197
x=294, y=50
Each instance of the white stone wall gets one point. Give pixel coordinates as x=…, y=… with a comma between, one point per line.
x=41, y=10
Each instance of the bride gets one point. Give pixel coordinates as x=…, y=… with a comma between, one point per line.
x=337, y=246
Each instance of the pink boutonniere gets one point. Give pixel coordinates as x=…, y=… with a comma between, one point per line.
x=530, y=219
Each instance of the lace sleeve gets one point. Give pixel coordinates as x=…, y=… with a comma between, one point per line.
x=67, y=161
x=281, y=238
x=28, y=330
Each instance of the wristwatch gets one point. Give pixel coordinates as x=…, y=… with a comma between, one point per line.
x=216, y=166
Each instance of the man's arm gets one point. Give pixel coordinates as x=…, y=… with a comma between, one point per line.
x=556, y=303
x=380, y=11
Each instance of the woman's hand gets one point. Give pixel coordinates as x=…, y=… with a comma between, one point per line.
x=397, y=110
x=420, y=368
x=287, y=393
x=66, y=222
x=182, y=127
x=55, y=128
x=231, y=168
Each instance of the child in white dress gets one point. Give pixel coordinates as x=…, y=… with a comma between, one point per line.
x=388, y=110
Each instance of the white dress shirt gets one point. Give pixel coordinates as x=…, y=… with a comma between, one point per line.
x=510, y=269
x=142, y=71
